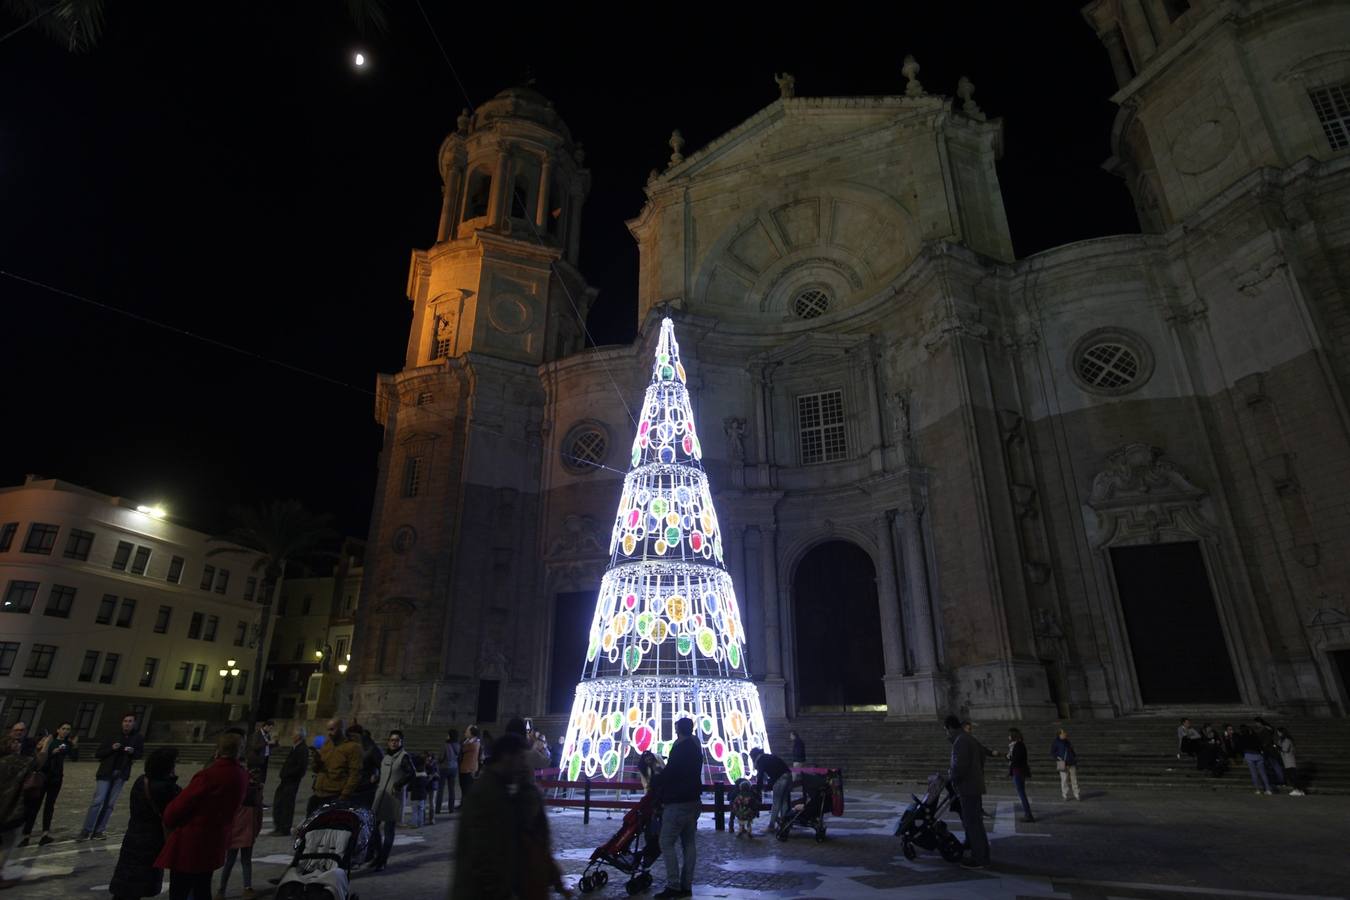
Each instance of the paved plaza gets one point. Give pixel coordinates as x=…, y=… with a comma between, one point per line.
x=1117, y=844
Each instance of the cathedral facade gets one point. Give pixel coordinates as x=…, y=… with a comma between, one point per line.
x=1108, y=479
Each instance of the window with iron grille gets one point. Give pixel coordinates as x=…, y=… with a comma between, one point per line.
x=106, y=607
x=40, y=660
x=250, y=587
x=241, y=683
x=128, y=611
x=1108, y=365
x=184, y=676
x=208, y=577
x=588, y=448
x=424, y=397
x=122, y=556
x=78, y=544
x=7, y=535
x=59, y=601
x=109, y=674
x=195, y=626
x=162, y=619
x=1332, y=104
x=148, y=671
x=141, y=562
x=40, y=539
x=412, y=476
x=89, y=666
x=240, y=634
x=222, y=581
x=198, y=676
x=811, y=303
x=175, y=575
x=9, y=651
x=820, y=427
x=212, y=623
x=19, y=596
x=86, y=717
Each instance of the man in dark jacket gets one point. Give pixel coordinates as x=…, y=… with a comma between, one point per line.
x=680, y=789
x=115, y=756
x=292, y=773
x=260, y=750
x=773, y=773
x=967, y=779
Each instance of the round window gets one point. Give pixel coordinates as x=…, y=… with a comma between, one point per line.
x=810, y=303
x=585, y=448
x=1110, y=361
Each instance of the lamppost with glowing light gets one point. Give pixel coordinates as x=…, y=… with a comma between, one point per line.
x=228, y=674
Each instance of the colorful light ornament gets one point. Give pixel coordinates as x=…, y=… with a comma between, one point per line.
x=666, y=640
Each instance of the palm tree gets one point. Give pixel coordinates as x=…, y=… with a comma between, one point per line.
x=279, y=532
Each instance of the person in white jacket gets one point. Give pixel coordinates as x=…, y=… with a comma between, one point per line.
x=1285, y=743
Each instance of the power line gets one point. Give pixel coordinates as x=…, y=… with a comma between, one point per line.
x=290, y=367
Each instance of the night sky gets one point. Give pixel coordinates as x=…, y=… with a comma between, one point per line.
x=223, y=168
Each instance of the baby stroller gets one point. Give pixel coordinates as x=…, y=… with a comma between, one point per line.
x=822, y=795
x=328, y=843
x=922, y=823
x=633, y=850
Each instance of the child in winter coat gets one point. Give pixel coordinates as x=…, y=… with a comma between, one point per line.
x=433, y=769
x=417, y=790
x=745, y=807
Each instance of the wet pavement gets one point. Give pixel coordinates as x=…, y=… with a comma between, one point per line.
x=1118, y=844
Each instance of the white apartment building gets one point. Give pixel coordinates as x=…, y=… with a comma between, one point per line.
x=108, y=606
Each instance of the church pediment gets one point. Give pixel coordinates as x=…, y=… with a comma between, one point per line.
x=798, y=125
x=811, y=349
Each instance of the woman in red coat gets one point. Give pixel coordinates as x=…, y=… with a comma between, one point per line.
x=199, y=819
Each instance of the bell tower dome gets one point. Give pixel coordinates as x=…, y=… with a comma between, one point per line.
x=501, y=278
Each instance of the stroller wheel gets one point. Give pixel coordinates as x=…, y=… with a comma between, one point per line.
x=908, y=849
x=587, y=884
x=601, y=878
x=951, y=849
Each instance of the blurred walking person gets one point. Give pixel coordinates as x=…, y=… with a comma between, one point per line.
x=1019, y=769
x=151, y=794
x=469, y=756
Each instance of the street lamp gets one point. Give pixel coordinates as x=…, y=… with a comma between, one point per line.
x=229, y=673
x=342, y=666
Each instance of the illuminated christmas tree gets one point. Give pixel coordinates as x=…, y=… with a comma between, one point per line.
x=666, y=640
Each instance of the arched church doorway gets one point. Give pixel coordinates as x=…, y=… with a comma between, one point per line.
x=838, y=629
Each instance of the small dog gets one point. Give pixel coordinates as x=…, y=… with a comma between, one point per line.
x=745, y=807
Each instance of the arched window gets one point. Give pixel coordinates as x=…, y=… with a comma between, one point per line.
x=476, y=197
x=525, y=189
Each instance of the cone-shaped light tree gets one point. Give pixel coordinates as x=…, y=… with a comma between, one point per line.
x=666, y=640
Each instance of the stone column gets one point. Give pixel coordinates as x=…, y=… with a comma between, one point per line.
x=541, y=210
x=752, y=597
x=773, y=694
x=1120, y=61
x=574, y=226
x=892, y=640
x=501, y=191
x=916, y=576
x=450, y=194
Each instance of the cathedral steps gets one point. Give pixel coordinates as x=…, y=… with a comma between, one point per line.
x=1116, y=753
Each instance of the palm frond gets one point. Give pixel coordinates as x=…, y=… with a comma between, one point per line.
x=78, y=24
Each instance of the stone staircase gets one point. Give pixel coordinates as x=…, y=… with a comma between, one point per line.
x=1113, y=753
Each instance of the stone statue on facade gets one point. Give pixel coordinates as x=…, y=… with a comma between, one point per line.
x=965, y=89
x=787, y=85
x=901, y=425
x=911, y=72
x=735, y=432
x=676, y=145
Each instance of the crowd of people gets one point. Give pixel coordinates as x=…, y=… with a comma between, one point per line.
x=1267, y=750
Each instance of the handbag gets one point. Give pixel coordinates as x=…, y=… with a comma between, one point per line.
x=33, y=786
x=145, y=786
x=1061, y=765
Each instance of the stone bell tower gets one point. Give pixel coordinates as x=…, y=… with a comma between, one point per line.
x=446, y=626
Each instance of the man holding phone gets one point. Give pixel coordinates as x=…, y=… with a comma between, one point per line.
x=115, y=756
